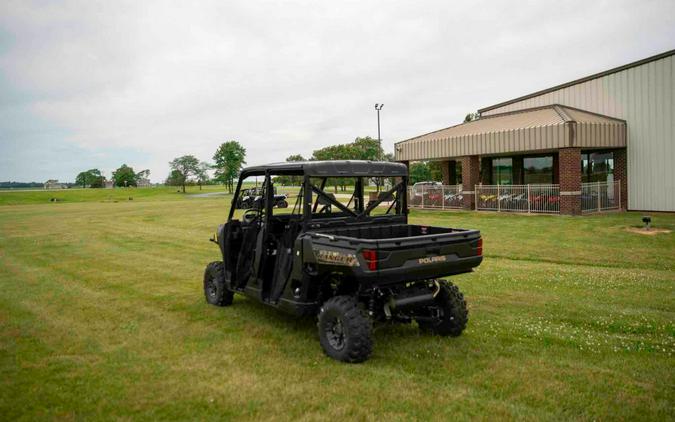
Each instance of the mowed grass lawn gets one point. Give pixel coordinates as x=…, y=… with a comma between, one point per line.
x=102, y=316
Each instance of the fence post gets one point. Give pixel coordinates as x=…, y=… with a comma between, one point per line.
x=442, y=197
x=618, y=185
x=599, y=200
x=499, y=208
x=528, y=198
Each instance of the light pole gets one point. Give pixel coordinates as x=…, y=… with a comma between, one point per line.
x=378, y=107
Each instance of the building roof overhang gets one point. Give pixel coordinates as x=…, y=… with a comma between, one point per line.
x=536, y=129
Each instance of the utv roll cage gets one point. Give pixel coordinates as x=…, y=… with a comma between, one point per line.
x=323, y=170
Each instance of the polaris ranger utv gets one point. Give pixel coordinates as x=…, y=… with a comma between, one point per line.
x=347, y=263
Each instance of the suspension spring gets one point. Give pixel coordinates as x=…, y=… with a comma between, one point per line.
x=371, y=304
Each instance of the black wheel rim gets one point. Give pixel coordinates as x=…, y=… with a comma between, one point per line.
x=335, y=333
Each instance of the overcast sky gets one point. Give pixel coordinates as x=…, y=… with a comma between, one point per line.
x=97, y=84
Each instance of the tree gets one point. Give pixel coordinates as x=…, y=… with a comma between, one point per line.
x=295, y=157
x=92, y=178
x=97, y=182
x=203, y=173
x=367, y=149
x=124, y=176
x=336, y=152
x=291, y=180
x=175, y=178
x=229, y=160
x=370, y=149
x=187, y=165
x=435, y=170
x=143, y=174
x=419, y=172
x=471, y=117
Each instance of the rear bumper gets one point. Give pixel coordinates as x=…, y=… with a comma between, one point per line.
x=414, y=270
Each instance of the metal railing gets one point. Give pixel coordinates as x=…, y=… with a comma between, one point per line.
x=519, y=198
x=540, y=198
x=435, y=196
x=600, y=196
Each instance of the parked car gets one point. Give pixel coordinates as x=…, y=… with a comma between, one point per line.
x=427, y=193
x=250, y=197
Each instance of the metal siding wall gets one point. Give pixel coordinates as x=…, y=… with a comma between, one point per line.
x=643, y=96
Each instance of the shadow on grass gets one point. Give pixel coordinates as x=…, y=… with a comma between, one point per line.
x=390, y=339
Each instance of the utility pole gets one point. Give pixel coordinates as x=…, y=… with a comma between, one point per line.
x=378, y=107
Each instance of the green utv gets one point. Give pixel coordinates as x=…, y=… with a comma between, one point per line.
x=336, y=257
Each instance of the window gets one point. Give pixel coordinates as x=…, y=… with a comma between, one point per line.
x=455, y=169
x=458, y=172
x=502, y=171
x=538, y=170
x=597, y=166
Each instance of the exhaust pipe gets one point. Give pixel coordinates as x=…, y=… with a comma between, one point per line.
x=413, y=301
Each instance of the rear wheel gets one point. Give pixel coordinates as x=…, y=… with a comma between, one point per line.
x=215, y=290
x=282, y=204
x=345, y=330
x=448, y=317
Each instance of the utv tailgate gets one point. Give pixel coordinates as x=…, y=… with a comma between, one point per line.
x=420, y=253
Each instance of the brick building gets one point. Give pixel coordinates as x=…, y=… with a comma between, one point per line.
x=614, y=129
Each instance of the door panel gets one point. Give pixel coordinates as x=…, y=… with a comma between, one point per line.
x=246, y=253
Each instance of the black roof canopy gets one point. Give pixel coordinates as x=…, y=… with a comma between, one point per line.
x=336, y=168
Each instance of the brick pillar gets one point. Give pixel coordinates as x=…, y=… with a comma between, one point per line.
x=470, y=178
x=569, y=176
x=445, y=169
x=621, y=173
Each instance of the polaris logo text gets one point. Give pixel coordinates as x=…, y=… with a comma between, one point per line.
x=432, y=259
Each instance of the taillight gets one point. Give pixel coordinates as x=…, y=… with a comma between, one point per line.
x=370, y=255
x=479, y=247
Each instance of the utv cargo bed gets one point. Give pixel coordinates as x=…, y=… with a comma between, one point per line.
x=404, y=252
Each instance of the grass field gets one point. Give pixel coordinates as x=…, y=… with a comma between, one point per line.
x=102, y=316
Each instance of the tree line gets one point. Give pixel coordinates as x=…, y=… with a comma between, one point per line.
x=230, y=157
x=362, y=148
x=228, y=161
x=124, y=176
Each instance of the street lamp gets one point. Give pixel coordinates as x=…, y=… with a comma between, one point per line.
x=378, y=107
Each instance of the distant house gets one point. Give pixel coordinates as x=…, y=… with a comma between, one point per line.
x=108, y=184
x=53, y=184
x=143, y=183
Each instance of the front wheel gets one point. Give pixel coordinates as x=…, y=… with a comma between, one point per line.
x=345, y=330
x=449, y=315
x=215, y=290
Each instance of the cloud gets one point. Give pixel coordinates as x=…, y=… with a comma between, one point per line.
x=155, y=80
